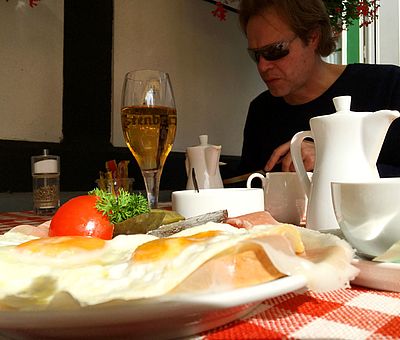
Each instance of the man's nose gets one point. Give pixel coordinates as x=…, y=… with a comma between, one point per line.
x=264, y=65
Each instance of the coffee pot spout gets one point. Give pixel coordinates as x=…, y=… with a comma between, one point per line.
x=375, y=128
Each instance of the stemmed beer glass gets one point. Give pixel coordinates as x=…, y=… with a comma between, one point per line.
x=148, y=117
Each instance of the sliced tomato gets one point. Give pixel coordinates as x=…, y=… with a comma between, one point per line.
x=79, y=217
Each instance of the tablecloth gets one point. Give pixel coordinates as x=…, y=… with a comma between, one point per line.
x=356, y=313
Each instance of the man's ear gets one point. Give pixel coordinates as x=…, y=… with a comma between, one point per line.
x=314, y=37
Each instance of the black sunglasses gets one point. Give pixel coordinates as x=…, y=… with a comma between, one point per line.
x=271, y=52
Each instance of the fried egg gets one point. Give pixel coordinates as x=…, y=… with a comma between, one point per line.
x=14, y=238
x=211, y=257
x=33, y=271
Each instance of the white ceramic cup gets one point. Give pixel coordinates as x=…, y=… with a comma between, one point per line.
x=368, y=213
x=284, y=196
x=237, y=201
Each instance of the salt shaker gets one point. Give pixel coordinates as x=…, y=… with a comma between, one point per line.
x=45, y=183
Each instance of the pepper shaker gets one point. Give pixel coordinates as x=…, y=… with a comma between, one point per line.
x=45, y=183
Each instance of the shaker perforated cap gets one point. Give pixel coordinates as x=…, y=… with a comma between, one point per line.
x=45, y=164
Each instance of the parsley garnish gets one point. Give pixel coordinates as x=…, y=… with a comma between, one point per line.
x=121, y=207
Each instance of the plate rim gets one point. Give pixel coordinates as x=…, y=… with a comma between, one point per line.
x=386, y=265
x=202, y=303
x=386, y=279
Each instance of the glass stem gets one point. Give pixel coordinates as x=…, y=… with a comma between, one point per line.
x=152, y=183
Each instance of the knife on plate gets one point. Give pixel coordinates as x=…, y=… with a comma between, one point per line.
x=172, y=228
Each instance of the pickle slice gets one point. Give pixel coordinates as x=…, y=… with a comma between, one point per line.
x=140, y=224
x=170, y=216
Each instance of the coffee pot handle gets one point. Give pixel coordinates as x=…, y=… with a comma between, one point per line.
x=295, y=151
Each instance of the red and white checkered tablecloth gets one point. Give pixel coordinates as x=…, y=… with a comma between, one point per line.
x=355, y=313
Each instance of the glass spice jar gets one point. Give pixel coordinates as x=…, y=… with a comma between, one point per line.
x=45, y=183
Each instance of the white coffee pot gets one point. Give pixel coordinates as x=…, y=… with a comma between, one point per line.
x=203, y=161
x=347, y=146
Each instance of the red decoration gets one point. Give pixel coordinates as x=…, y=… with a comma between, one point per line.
x=33, y=3
x=220, y=11
x=344, y=13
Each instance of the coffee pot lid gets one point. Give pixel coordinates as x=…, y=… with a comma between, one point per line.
x=203, y=143
x=203, y=140
x=342, y=103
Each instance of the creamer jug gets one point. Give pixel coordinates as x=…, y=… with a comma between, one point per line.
x=347, y=146
x=203, y=161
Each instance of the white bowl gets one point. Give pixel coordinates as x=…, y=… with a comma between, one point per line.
x=237, y=201
x=368, y=213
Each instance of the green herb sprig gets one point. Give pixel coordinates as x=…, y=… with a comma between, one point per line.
x=120, y=207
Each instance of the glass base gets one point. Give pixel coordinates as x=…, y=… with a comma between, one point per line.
x=152, y=183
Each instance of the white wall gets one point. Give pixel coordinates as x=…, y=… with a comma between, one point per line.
x=212, y=76
x=389, y=32
x=31, y=55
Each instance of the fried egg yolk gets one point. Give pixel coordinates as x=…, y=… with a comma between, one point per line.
x=53, y=246
x=168, y=248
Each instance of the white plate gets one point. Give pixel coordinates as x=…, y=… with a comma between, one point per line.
x=160, y=318
x=378, y=275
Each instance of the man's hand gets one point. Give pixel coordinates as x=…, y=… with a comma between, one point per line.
x=282, y=155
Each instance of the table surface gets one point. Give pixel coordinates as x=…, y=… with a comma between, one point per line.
x=354, y=313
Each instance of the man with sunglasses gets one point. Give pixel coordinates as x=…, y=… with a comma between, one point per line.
x=288, y=39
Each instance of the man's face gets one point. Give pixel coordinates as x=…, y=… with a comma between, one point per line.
x=289, y=76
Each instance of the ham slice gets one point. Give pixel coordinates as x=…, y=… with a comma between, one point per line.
x=41, y=230
x=249, y=220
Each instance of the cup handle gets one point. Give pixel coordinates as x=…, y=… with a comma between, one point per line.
x=254, y=175
x=295, y=151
